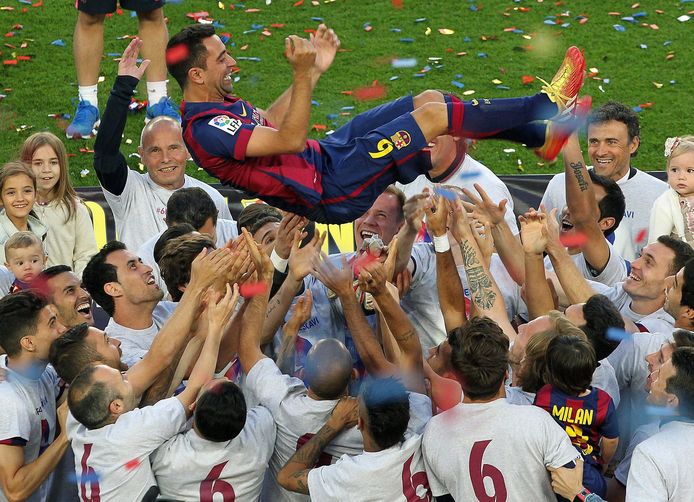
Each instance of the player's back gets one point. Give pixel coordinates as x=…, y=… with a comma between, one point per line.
x=189, y=467
x=479, y=451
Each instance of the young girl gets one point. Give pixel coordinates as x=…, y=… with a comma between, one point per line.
x=71, y=238
x=17, y=194
x=673, y=211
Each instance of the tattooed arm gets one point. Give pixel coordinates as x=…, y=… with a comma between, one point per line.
x=294, y=475
x=583, y=207
x=485, y=294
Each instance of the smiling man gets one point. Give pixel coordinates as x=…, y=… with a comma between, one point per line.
x=138, y=201
x=613, y=140
x=64, y=291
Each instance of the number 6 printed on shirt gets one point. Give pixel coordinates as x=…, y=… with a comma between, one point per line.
x=479, y=471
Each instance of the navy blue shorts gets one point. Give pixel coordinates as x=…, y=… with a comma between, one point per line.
x=108, y=6
x=375, y=149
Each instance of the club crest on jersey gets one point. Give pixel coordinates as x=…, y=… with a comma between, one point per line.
x=401, y=139
x=226, y=124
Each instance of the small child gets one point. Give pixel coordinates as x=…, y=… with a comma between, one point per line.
x=25, y=258
x=586, y=413
x=673, y=211
x=17, y=195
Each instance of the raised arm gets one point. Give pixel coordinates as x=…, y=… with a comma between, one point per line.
x=294, y=475
x=414, y=216
x=539, y=297
x=252, y=325
x=291, y=133
x=174, y=335
x=485, y=294
x=507, y=245
x=219, y=312
x=300, y=314
x=339, y=280
x=109, y=163
x=450, y=289
x=372, y=279
x=583, y=206
x=326, y=43
x=19, y=480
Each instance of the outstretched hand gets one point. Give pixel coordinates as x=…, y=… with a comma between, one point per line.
x=128, y=61
x=326, y=43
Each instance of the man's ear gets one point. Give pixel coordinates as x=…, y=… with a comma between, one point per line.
x=354, y=375
x=688, y=313
x=27, y=343
x=117, y=407
x=360, y=423
x=634, y=145
x=113, y=289
x=195, y=75
x=672, y=401
x=606, y=223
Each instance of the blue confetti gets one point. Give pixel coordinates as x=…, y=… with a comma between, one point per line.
x=418, y=75
x=445, y=193
x=317, y=19
x=85, y=478
x=660, y=411
x=473, y=8
x=395, y=30
x=481, y=54
x=256, y=26
x=246, y=58
x=629, y=19
x=466, y=39
x=617, y=335
x=58, y=43
x=637, y=109
x=640, y=14
x=315, y=103
x=503, y=87
x=332, y=116
x=566, y=25
x=248, y=32
x=468, y=175
x=619, y=27
x=224, y=39
x=518, y=31
x=420, y=20
x=605, y=80
x=667, y=42
x=404, y=63
x=459, y=85
x=407, y=40
x=347, y=108
x=394, y=77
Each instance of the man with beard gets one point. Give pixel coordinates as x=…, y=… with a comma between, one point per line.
x=73, y=304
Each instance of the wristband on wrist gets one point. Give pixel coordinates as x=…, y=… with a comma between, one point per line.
x=441, y=243
x=279, y=263
x=581, y=496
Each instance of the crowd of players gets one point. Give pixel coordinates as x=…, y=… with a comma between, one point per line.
x=460, y=353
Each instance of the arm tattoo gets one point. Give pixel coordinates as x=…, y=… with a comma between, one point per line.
x=481, y=287
x=402, y=337
x=577, y=168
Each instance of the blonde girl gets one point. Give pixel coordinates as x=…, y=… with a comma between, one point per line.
x=17, y=194
x=673, y=211
x=70, y=240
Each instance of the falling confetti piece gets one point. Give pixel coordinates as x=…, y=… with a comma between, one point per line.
x=132, y=464
x=459, y=85
x=446, y=393
x=397, y=4
x=363, y=260
x=427, y=32
x=660, y=411
x=527, y=79
x=404, y=63
x=496, y=81
x=641, y=236
x=374, y=91
x=657, y=85
x=683, y=19
x=176, y=54
x=509, y=150
x=84, y=173
x=407, y=40
x=468, y=93
x=619, y=27
x=445, y=193
x=617, y=335
x=573, y=239
x=446, y=31
x=251, y=289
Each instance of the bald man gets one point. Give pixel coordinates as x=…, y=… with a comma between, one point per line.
x=299, y=411
x=138, y=200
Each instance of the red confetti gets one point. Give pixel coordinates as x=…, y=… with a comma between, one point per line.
x=527, y=79
x=251, y=289
x=23, y=58
x=299, y=2
x=363, y=260
x=131, y=464
x=8, y=62
x=319, y=127
x=277, y=25
x=397, y=4
x=446, y=393
x=375, y=91
x=176, y=54
x=573, y=239
x=641, y=236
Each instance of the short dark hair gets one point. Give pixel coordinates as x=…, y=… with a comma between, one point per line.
x=50, y=272
x=186, y=50
x=19, y=316
x=388, y=410
x=97, y=273
x=191, y=205
x=601, y=315
x=168, y=234
x=176, y=260
x=571, y=363
x=682, y=383
x=220, y=412
x=255, y=216
x=613, y=204
x=687, y=299
x=89, y=401
x=612, y=110
x=71, y=353
x=479, y=356
x=683, y=252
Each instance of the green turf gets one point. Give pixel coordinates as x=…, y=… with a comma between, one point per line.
x=46, y=84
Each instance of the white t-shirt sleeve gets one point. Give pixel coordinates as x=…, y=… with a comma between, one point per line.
x=556, y=445
x=621, y=473
x=270, y=386
x=435, y=484
x=149, y=427
x=331, y=482
x=555, y=193
x=646, y=482
x=15, y=426
x=420, y=413
x=424, y=259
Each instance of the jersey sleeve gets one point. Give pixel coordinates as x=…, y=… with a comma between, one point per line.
x=430, y=456
x=270, y=386
x=223, y=136
x=609, y=428
x=15, y=426
x=553, y=193
x=646, y=482
x=556, y=445
x=420, y=413
x=424, y=259
x=263, y=431
x=332, y=482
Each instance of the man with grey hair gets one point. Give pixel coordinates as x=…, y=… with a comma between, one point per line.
x=138, y=200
